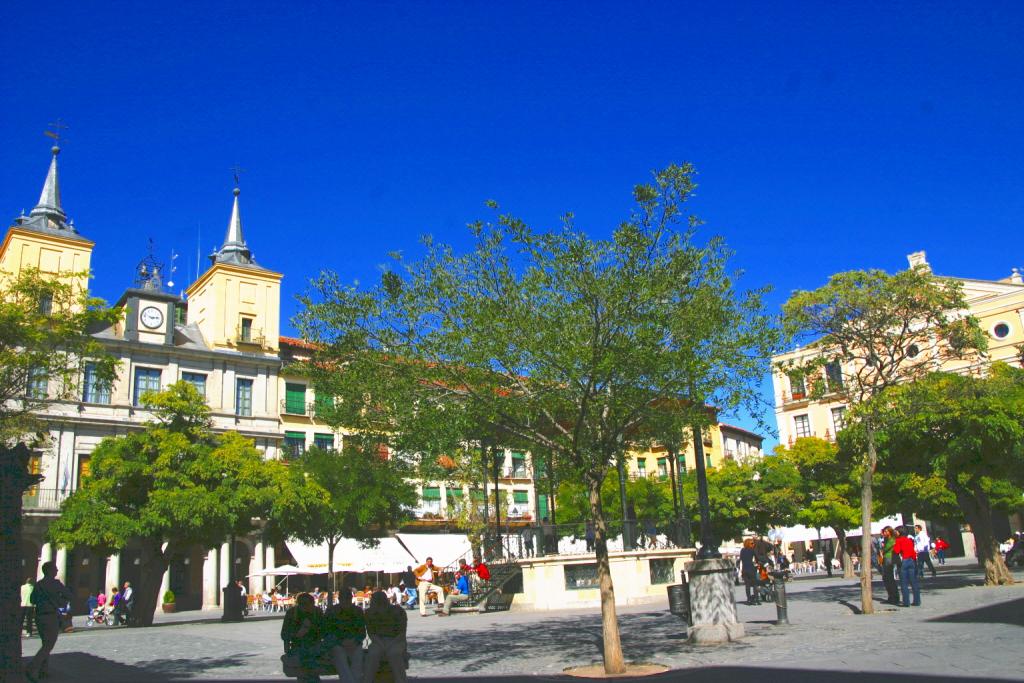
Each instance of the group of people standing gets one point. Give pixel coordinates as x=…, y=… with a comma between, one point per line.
x=902, y=554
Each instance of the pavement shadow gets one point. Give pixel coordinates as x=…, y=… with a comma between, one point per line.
x=650, y=634
x=845, y=594
x=68, y=666
x=1011, y=612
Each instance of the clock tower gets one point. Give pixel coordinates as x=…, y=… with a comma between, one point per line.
x=148, y=312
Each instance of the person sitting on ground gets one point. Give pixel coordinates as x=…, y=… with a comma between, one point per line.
x=408, y=583
x=302, y=632
x=458, y=594
x=346, y=631
x=386, y=625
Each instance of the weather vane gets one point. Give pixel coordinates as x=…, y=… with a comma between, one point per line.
x=237, y=171
x=56, y=134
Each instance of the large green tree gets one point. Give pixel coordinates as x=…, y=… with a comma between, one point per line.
x=961, y=436
x=172, y=485
x=869, y=331
x=827, y=494
x=353, y=493
x=551, y=339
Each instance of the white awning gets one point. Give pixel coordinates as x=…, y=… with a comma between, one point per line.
x=800, y=533
x=446, y=549
x=350, y=556
x=283, y=570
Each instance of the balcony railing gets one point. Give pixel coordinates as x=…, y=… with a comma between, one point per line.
x=297, y=408
x=250, y=335
x=43, y=500
x=515, y=473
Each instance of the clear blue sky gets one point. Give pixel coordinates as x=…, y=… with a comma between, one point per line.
x=828, y=136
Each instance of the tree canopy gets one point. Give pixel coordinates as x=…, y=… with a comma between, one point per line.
x=172, y=485
x=45, y=323
x=960, y=439
x=553, y=340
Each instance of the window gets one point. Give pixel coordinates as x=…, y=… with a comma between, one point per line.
x=1001, y=331
x=542, y=505
x=324, y=441
x=453, y=499
x=682, y=464
x=834, y=375
x=38, y=383
x=322, y=403
x=196, y=379
x=641, y=466
x=580, y=576
x=46, y=303
x=294, y=444
x=243, y=397
x=84, y=467
x=662, y=570
x=295, y=398
x=431, y=500
x=94, y=389
x=520, y=503
x=518, y=465
x=35, y=466
x=663, y=468
x=707, y=460
x=796, y=386
x=803, y=426
x=146, y=379
x=245, y=330
x=839, y=418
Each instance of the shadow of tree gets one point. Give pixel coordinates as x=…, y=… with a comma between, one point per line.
x=1011, y=612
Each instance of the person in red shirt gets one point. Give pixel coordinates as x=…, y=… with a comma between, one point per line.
x=909, y=577
x=940, y=549
x=481, y=569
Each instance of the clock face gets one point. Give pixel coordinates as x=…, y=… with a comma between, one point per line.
x=152, y=317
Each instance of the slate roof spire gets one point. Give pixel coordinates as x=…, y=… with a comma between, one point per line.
x=234, y=250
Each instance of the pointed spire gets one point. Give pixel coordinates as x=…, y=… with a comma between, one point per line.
x=49, y=199
x=234, y=249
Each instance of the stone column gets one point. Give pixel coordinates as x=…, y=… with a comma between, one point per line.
x=225, y=566
x=712, y=602
x=256, y=582
x=45, y=555
x=165, y=584
x=270, y=562
x=61, y=559
x=210, y=591
x=113, y=575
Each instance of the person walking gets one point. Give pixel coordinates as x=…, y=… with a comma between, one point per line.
x=426, y=575
x=28, y=612
x=589, y=536
x=49, y=596
x=386, y=626
x=408, y=582
x=887, y=565
x=923, y=546
x=127, y=603
x=748, y=570
x=909, y=576
x=941, y=546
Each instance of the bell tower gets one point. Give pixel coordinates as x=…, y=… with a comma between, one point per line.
x=236, y=303
x=45, y=239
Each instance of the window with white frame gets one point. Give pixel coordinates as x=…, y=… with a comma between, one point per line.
x=839, y=418
x=94, y=389
x=803, y=426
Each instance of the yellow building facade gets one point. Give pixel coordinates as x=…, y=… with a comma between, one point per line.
x=997, y=304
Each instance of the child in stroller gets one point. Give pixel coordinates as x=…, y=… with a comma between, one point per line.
x=98, y=615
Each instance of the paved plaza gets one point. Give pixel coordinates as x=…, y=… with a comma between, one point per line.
x=963, y=631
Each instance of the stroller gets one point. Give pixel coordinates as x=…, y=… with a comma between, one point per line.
x=98, y=616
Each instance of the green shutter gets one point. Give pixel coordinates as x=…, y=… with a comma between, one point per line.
x=542, y=504
x=477, y=494
x=520, y=497
x=295, y=399
x=431, y=493
x=324, y=441
x=453, y=494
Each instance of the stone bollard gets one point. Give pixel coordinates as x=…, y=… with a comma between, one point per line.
x=781, y=614
x=712, y=602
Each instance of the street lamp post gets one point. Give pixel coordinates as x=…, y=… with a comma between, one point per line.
x=708, y=542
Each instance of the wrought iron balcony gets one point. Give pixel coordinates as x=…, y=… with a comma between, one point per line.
x=250, y=335
x=43, y=500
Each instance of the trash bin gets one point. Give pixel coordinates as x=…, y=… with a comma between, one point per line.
x=679, y=601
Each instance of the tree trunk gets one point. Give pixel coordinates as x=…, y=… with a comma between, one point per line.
x=14, y=481
x=330, y=571
x=844, y=557
x=866, y=598
x=978, y=512
x=612, y=650
x=147, y=593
